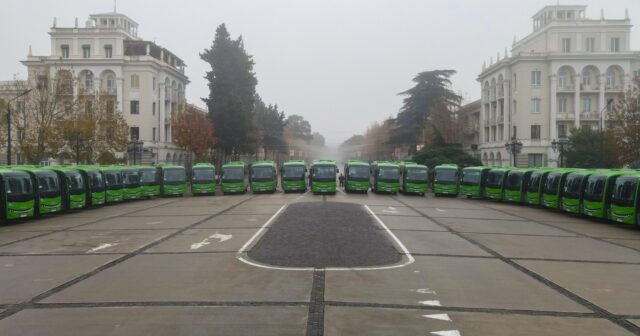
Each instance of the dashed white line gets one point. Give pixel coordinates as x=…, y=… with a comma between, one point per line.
x=101, y=247
x=446, y=333
x=434, y=303
x=441, y=317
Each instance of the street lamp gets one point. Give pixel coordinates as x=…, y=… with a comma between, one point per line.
x=78, y=142
x=514, y=147
x=560, y=146
x=602, y=128
x=9, y=124
x=132, y=147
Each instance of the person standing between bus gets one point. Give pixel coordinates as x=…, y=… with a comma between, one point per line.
x=341, y=180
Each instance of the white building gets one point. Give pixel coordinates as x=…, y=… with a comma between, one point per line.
x=558, y=77
x=107, y=55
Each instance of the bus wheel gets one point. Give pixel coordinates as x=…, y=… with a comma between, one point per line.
x=469, y=196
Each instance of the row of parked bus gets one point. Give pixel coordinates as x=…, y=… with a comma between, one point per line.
x=32, y=191
x=612, y=194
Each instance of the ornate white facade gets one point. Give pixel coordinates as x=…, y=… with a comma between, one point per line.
x=107, y=55
x=558, y=77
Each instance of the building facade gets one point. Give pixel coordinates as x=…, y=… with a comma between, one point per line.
x=106, y=56
x=559, y=77
x=469, y=117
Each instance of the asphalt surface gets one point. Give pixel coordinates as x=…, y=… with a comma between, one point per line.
x=325, y=234
x=220, y=266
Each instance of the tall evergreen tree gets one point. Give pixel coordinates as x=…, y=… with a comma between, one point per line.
x=271, y=123
x=232, y=88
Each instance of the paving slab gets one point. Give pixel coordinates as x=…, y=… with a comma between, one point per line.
x=632, y=243
x=599, y=229
x=501, y=226
x=181, y=211
x=465, y=213
x=453, y=281
x=73, y=242
x=566, y=248
x=189, y=277
x=443, y=203
x=235, y=221
x=409, y=322
x=611, y=286
x=438, y=243
x=393, y=210
x=206, y=240
x=409, y=223
x=158, y=321
x=25, y=277
x=545, y=215
x=143, y=223
x=255, y=209
x=59, y=222
x=11, y=236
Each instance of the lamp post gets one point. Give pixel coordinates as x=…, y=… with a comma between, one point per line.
x=9, y=123
x=514, y=147
x=560, y=146
x=602, y=128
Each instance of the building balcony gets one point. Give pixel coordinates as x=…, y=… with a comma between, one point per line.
x=486, y=122
x=85, y=91
x=589, y=88
x=614, y=88
x=566, y=88
x=108, y=91
x=565, y=116
x=594, y=115
x=500, y=120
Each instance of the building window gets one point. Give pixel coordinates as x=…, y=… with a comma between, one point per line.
x=486, y=134
x=536, y=77
x=611, y=79
x=67, y=107
x=135, y=133
x=64, y=51
x=535, y=160
x=515, y=106
x=636, y=73
x=154, y=134
x=135, y=81
x=562, y=131
x=88, y=80
x=111, y=83
x=590, y=44
x=515, y=81
x=88, y=106
x=135, y=107
x=111, y=107
x=153, y=108
x=586, y=105
x=562, y=105
x=535, y=132
x=108, y=51
x=166, y=133
x=562, y=79
x=535, y=105
x=493, y=133
x=154, y=83
x=586, y=79
x=615, y=44
x=566, y=45
x=515, y=132
x=86, y=51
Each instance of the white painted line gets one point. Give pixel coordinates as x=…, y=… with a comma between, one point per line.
x=392, y=208
x=221, y=236
x=447, y=333
x=389, y=211
x=152, y=223
x=440, y=210
x=425, y=291
x=435, y=303
x=206, y=242
x=101, y=247
x=244, y=247
x=441, y=317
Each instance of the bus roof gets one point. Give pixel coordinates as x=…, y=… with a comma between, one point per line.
x=234, y=164
x=294, y=163
x=324, y=162
x=413, y=165
x=203, y=165
x=265, y=163
x=447, y=165
x=357, y=163
x=385, y=164
x=9, y=171
x=480, y=168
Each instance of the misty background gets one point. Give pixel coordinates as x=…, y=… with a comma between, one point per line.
x=339, y=64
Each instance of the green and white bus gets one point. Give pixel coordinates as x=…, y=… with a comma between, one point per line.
x=263, y=177
x=414, y=178
x=554, y=186
x=293, y=176
x=48, y=197
x=535, y=186
x=598, y=190
x=234, y=178
x=130, y=183
x=173, y=180
x=322, y=177
x=385, y=177
x=74, y=190
x=625, y=200
x=445, y=179
x=149, y=181
x=572, y=193
x=18, y=198
x=95, y=185
x=494, y=186
x=472, y=181
x=356, y=176
x=203, y=179
x=113, y=183
x=515, y=185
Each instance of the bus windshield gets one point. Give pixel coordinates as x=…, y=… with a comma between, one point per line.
x=203, y=175
x=417, y=175
x=553, y=180
x=389, y=174
x=174, y=175
x=131, y=178
x=494, y=178
x=148, y=176
x=19, y=187
x=534, y=182
x=262, y=173
x=358, y=173
x=624, y=192
x=48, y=184
x=96, y=180
x=76, y=184
x=446, y=175
x=514, y=181
x=324, y=173
x=572, y=186
x=594, y=188
x=233, y=174
x=471, y=177
x=293, y=173
x=113, y=180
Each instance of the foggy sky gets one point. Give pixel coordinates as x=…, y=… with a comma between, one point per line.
x=338, y=63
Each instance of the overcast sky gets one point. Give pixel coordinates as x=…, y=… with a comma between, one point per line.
x=338, y=63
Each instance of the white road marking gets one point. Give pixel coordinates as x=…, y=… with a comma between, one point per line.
x=416, y=271
x=440, y=210
x=389, y=211
x=244, y=247
x=8, y=265
x=442, y=317
x=101, y=247
x=206, y=241
x=435, y=303
x=447, y=333
x=425, y=291
x=152, y=223
x=392, y=208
